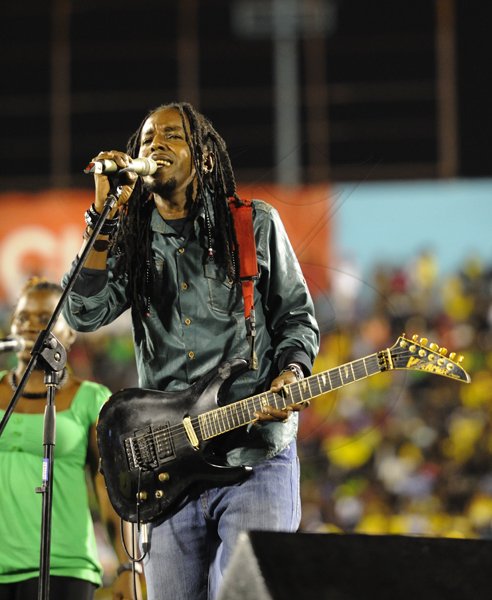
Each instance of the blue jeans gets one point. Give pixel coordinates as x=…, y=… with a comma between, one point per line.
x=190, y=550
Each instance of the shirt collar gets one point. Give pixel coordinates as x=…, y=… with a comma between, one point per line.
x=159, y=225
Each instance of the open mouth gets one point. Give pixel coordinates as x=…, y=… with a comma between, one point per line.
x=163, y=162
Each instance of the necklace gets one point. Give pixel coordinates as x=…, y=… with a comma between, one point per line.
x=12, y=379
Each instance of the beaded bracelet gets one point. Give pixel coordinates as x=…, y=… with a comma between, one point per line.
x=109, y=225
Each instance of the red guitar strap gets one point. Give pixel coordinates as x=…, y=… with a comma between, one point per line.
x=242, y=217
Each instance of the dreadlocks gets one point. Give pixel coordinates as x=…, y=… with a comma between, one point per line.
x=213, y=189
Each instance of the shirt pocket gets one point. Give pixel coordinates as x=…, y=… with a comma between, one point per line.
x=224, y=295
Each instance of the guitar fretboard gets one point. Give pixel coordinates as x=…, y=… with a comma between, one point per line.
x=237, y=414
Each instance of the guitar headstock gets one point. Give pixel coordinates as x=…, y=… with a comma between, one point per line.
x=417, y=354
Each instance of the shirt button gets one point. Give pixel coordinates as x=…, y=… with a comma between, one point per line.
x=184, y=286
x=187, y=321
x=191, y=354
x=181, y=250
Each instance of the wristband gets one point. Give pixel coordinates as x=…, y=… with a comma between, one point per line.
x=109, y=226
x=101, y=245
x=98, y=245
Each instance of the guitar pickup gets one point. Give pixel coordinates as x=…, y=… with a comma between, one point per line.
x=148, y=448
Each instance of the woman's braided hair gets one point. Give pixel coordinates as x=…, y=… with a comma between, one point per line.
x=36, y=283
x=213, y=189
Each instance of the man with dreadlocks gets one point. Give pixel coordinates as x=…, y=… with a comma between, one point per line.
x=169, y=253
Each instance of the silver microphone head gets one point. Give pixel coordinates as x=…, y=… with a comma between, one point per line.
x=142, y=166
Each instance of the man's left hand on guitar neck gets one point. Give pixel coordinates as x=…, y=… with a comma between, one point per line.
x=289, y=375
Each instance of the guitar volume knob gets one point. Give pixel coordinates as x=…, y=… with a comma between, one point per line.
x=142, y=495
x=163, y=476
x=159, y=494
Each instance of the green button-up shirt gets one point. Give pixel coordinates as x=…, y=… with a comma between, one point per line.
x=197, y=321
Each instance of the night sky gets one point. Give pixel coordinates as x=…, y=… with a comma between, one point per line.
x=378, y=71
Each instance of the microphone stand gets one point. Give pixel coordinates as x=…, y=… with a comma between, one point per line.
x=51, y=355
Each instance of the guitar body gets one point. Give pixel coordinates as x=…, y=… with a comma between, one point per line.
x=148, y=459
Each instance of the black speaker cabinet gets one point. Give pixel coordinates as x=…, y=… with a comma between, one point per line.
x=310, y=566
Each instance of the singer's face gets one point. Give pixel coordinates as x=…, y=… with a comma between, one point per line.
x=32, y=314
x=164, y=139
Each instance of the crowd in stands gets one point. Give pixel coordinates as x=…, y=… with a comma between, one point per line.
x=404, y=452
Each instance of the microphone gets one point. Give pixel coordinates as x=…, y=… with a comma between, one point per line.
x=140, y=166
x=12, y=344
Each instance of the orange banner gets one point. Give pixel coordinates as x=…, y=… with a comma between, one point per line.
x=41, y=233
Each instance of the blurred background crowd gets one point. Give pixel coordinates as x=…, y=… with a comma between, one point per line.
x=405, y=452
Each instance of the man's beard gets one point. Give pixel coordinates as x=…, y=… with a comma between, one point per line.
x=162, y=188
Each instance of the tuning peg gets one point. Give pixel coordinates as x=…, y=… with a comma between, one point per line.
x=443, y=351
x=424, y=341
x=415, y=337
x=461, y=358
x=452, y=356
x=434, y=347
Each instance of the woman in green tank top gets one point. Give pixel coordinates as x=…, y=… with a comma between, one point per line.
x=75, y=570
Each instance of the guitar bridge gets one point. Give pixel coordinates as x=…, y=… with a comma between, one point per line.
x=148, y=448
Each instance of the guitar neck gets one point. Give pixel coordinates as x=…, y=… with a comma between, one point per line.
x=237, y=414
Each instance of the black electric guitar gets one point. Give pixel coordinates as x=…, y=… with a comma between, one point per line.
x=155, y=446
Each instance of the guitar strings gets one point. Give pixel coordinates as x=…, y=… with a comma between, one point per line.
x=178, y=435
x=293, y=387
x=225, y=413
